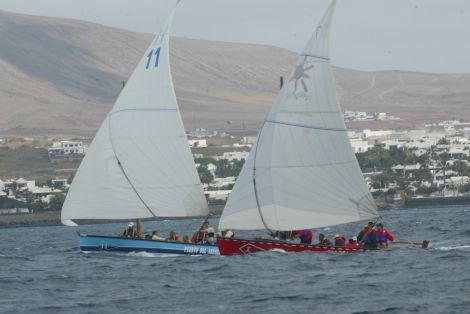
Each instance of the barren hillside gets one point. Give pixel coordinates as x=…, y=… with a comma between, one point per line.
x=62, y=76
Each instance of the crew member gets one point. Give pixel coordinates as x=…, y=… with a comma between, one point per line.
x=362, y=233
x=200, y=236
x=155, y=236
x=369, y=241
x=211, y=237
x=305, y=236
x=324, y=241
x=383, y=236
x=130, y=232
x=173, y=236
x=352, y=243
x=229, y=234
x=339, y=240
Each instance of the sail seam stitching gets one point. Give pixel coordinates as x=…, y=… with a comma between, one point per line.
x=306, y=126
x=142, y=109
x=315, y=56
x=308, y=166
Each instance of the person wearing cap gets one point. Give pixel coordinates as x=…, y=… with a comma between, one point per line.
x=228, y=234
x=130, y=232
x=352, y=243
x=339, y=240
x=324, y=241
x=383, y=236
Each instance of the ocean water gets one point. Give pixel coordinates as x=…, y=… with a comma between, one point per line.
x=43, y=271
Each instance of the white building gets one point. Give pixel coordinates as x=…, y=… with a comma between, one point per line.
x=64, y=148
x=197, y=143
x=250, y=140
x=218, y=195
x=60, y=183
x=23, y=184
x=458, y=180
x=380, y=133
x=382, y=116
x=406, y=170
x=359, y=145
x=234, y=155
x=222, y=182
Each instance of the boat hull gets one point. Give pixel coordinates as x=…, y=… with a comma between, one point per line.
x=90, y=243
x=234, y=246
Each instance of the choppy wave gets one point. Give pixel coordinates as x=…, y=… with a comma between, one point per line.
x=402, y=280
x=450, y=248
x=279, y=251
x=145, y=254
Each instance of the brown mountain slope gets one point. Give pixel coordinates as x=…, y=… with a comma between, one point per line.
x=62, y=76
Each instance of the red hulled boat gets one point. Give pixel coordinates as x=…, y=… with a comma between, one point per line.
x=301, y=173
x=233, y=246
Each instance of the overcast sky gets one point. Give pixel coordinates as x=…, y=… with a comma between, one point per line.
x=414, y=35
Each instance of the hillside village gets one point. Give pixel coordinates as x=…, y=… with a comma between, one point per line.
x=396, y=164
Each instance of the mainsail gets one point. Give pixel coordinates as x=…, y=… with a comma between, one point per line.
x=302, y=172
x=139, y=164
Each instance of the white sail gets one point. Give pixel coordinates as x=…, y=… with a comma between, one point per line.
x=306, y=174
x=139, y=164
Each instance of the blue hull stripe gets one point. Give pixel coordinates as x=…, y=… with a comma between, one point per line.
x=119, y=244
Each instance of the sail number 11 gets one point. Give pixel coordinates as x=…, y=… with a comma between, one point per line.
x=150, y=55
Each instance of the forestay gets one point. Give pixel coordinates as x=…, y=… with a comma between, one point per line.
x=139, y=164
x=302, y=172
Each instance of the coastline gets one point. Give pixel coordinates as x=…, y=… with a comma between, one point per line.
x=42, y=219
x=52, y=218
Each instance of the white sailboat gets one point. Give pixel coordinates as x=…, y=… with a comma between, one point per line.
x=139, y=164
x=302, y=172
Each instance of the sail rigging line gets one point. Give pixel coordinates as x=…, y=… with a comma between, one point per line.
x=260, y=211
x=124, y=172
x=313, y=127
x=360, y=203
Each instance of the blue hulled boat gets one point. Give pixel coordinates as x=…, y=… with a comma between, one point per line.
x=91, y=243
x=139, y=164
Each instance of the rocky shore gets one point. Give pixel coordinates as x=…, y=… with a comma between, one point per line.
x=49, y=218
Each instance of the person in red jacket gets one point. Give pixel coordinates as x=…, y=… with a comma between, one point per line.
x=352, y=243
x=383, y=236
x=305, y=236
